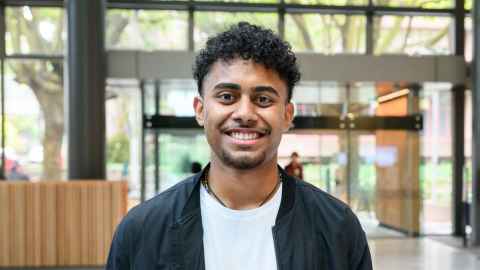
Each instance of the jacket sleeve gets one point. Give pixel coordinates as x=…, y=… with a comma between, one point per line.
x=359, y=253
x=119, y=257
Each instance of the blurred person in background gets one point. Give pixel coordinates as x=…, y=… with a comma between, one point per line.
x=16, y=173
x=295, y=168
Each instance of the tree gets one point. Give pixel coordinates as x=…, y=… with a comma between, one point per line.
x=45, y=78
x=41, y=31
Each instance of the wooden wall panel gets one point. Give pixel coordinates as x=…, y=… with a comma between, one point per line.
x=5, y=216
x=18, y=224
x=85, y=246
x=59, y=223
x=398, y=185
x=33, y=233
x=73, y=224
x=107, y=219
x=49, y=223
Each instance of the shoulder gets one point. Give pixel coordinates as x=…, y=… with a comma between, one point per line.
x=334, y=220
x=163, y=209
x=330, y=214
x=320, y=200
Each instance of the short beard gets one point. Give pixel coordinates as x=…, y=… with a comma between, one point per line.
x=242, y=163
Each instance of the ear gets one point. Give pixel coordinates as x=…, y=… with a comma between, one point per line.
x=289, y=114
x=198, y=108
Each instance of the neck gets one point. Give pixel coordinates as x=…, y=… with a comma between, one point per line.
x=243, y=189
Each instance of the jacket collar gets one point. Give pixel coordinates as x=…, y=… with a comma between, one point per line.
x=188, y=229
x=192, y=205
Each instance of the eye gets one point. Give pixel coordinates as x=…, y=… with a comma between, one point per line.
x=226, y=97
x=264, y=101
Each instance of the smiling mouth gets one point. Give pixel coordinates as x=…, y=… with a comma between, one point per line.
x=245, y=135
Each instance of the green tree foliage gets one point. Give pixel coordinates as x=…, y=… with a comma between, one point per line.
x=468, y=4
x=118, y=149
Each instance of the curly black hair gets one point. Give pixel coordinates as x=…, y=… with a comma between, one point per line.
x=249, y=42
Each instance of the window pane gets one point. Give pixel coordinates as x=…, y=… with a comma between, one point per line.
x=327, y=34
x=436, y=157
x=210, y=23
x=2, y=150
x=413, y=35
x=34, y=30
x=319, y=98
x=468, y=39
x=468, y=4
x=188, y=145
x=467, y=170
x=328, y=2
x=176, y=97
x=418, y=4
x=146, y=29
x=243, y=1
x=35, y=120
x=330, y=98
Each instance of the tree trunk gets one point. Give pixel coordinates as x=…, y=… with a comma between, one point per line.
x=52, y=146
x=52, y=106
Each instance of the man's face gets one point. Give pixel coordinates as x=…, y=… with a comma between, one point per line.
x=244, y=112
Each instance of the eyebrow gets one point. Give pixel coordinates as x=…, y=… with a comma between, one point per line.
x=232, y=86
x=268, y=89
x=256, y=89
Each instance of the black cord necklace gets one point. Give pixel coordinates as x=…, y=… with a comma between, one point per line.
x=210, y=191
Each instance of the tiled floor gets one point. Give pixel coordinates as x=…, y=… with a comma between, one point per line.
x=421, y=254
x=405, y=254
x=373, y=230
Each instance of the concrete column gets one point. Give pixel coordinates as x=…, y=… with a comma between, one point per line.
x=458, y=136
x=475, y=209
x=86, y=89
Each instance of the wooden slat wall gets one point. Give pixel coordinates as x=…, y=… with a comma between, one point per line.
x=59, y=223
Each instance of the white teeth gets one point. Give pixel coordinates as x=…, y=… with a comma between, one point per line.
x=244, y=136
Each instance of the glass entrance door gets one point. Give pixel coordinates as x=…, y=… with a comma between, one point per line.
x=354, y=141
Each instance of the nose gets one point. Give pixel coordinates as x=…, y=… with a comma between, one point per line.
x=245, y=112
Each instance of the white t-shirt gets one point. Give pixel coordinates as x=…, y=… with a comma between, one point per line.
x=238, y=239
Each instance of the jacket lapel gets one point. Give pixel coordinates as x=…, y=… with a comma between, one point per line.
x=189, y=231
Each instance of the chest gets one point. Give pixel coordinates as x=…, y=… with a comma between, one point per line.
x=239, y=243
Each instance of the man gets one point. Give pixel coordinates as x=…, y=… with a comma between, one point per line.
x=242, y=211
x=295, y=168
